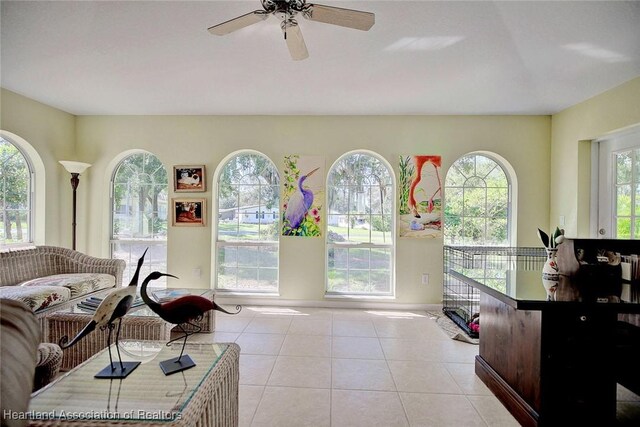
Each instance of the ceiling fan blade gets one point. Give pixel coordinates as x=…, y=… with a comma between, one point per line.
x=338, y=16
x=295, y=41
x=239, y=22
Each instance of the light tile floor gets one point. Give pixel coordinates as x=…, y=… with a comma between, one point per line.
x=339, y=367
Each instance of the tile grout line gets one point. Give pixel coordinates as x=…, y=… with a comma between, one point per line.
x=404, y=409
x=255, y=411
x=264, y=388
x=476, y=409
x=331, y=374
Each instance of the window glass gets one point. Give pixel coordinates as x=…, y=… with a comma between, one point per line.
x=477, y=204
x=627, y=194
x=248, y=224
x=360, y=216
x=15, y=196
x=139, y=214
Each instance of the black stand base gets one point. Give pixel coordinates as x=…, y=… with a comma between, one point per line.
x=177, y=364
x=115, y=371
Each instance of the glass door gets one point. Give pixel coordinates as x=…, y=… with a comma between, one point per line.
x=619, y=186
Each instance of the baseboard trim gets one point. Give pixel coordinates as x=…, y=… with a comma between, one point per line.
x=348, y=304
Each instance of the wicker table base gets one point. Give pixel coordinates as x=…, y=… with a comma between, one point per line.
x=70, y=323
x=205, y=395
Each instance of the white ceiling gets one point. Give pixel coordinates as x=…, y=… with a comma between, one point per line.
x=420, y=57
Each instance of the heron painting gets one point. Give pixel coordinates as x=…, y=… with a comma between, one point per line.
x=302, y=196
x=420, y=196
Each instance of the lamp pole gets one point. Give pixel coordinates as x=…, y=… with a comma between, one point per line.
x=74, y=184
x=75, y=168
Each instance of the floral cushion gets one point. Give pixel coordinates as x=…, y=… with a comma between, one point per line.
x=36, y=298
x=78, y=283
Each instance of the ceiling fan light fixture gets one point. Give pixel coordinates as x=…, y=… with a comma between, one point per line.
x=286, y=10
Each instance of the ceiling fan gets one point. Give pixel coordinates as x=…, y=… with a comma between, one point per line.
x=286, y=11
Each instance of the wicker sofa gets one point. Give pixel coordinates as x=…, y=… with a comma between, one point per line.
x=49, y=278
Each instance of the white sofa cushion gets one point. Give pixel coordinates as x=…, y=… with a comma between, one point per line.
x=78, y=283
x=36, y=297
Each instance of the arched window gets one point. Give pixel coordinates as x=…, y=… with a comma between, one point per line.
x=15, y=195
x=247, y=229
x=360, y=223
x=139, y=213
x=477, y=203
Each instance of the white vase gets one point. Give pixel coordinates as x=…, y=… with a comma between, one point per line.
x=550, y=275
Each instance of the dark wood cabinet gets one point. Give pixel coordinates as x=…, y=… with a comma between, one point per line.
x=551, y=366
x=558, y=362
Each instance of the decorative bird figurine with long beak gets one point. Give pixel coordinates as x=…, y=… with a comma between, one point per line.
x=299, y=204
x=113, y=307
x=180, y=311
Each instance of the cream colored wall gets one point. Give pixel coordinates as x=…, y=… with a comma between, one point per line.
x=51, y=133
x=521, y=140
x=572, y=131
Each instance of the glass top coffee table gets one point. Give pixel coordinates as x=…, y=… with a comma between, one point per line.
x=206, y=394
x=140, y=323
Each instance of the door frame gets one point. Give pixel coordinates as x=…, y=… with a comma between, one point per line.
x=619, y=142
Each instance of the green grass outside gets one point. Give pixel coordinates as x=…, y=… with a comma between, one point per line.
x=234, y=231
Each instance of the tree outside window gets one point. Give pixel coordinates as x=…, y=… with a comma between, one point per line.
x=477, y=206
x=360, y=215
x=15, y=196
x=627, y=194
x=139, y=213
x=247, y=239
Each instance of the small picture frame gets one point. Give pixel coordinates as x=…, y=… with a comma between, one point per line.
x=189, y=178
x=189, y=212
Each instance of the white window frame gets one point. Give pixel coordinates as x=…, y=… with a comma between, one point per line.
x=347, y=245
x=155, y=245
x=272, y=244
x=30, y=196
x=509, y=173
x=603, y=186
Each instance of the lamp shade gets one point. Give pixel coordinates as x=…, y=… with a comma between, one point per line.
x=74, y=167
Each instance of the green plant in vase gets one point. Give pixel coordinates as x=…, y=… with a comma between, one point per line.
x=550, y=274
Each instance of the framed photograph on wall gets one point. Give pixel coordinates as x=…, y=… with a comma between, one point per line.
x=189, y=178
x=189, y=212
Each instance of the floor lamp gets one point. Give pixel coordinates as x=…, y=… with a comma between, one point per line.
x=75, y=169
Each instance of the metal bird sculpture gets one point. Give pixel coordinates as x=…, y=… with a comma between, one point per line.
x=180, y=311
x=113, y=307
x=299, y=203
